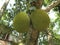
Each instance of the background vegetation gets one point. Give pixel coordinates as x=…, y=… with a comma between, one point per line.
x=11, y=36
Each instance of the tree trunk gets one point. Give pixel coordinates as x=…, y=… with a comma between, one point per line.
x=50, y=40
x=3, y=42
x=33, y=38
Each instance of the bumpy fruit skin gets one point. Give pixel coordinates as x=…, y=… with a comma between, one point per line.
x=40, y=20
x=21, y=22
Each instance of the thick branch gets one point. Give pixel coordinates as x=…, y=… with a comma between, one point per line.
x=3, y=7
x=53, y=4
x=39, y=3
x=32, y=37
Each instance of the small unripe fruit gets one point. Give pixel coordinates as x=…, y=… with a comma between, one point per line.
x=21, y=22
x=40, y=19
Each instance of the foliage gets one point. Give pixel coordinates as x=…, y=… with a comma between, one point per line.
x=24, y=5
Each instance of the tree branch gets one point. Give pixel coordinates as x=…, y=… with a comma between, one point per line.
x=53, y=4
x=39, y=3
x=3, y=7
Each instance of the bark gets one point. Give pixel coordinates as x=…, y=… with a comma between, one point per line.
x=39, y=3
x=52, y=5
x=3, y=8
x=3, y=42
x=50, y=40
x=33, y=38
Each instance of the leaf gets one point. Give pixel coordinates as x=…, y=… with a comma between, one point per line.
x=47, y=2
x=57, y=36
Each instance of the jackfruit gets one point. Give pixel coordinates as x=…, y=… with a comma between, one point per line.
x=21, y=22
x=40, y=20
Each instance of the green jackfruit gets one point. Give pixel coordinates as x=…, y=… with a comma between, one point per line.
x=40, y=19
x=21, y=22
